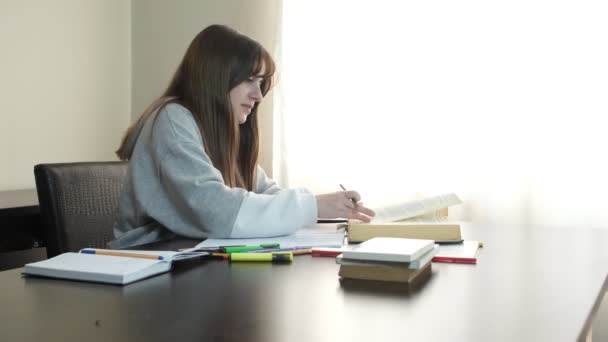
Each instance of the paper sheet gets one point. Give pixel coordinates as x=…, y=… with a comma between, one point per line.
x=319, y=235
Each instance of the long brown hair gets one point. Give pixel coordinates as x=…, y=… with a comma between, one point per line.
x=217, y=60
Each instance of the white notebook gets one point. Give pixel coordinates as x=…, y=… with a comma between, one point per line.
x=412, y=265
x=106, y=268
x=389, y=249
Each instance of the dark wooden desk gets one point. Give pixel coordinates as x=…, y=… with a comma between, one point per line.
x=530, y=284
x=17, y=202
x=19, y=220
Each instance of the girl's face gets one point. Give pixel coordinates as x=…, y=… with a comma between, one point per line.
x=245, y=95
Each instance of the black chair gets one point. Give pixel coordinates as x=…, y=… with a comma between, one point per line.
x=77, y=203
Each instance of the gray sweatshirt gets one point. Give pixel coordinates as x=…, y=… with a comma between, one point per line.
x=173, y=189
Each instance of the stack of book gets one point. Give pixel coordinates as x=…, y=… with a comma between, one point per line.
x=388, y=259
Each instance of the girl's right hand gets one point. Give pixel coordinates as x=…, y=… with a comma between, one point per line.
x=341, y=204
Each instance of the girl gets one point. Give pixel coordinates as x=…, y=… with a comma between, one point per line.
x=193, y=155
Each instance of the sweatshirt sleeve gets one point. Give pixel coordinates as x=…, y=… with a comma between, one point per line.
x=262, y=215
x=264, y=184
x=199, y=200
x=199, y=194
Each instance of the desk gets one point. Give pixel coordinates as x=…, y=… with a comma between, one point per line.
x=19, y=220
x=18, y=202
x=530, y=284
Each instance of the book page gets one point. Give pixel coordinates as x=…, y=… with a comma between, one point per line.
x=411, y=209
x=319, y=235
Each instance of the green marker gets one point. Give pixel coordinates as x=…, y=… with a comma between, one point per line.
x=277, y=257
x=241, y=249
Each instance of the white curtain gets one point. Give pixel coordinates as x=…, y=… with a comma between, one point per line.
x=503, y=103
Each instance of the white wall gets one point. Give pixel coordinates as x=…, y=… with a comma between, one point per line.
x=163, y=29
x=74, y=73
x=64, y=84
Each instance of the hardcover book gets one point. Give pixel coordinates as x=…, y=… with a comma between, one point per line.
x=413, y=265
x=359, y=231
x=384, y=273
x=389, y=249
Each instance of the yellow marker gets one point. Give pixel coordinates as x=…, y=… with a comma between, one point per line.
x=480, y=244
x=276, y=257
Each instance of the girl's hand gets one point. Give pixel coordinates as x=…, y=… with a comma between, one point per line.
x=341, y=204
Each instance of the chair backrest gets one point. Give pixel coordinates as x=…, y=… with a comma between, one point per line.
x=77, y=203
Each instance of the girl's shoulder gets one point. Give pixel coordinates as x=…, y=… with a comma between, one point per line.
x=175, y=111
x=175, y=121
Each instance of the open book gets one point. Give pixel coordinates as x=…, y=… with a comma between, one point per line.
x=108, y=266
x=416, y=208
x=411, y=219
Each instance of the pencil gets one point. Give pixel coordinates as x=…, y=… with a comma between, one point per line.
x=221, y=255
x=122, y=254
x=352, y=199
x=301, y=251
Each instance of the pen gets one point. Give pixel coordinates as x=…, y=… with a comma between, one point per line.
x=218, y=249
x=280, y=257
x=122, y=254
x=240, y=249
x=352, y=199
x=285, y=249
x=293, y=250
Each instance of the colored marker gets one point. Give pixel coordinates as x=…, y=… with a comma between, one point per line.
x=241, y=249
x=280, y=257
x=122, y=254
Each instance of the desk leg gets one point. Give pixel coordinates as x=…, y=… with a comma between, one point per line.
x=600, y=322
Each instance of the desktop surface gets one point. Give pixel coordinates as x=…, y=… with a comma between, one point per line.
x=530, y=284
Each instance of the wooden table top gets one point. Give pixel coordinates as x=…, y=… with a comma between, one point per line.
x=530, y=284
